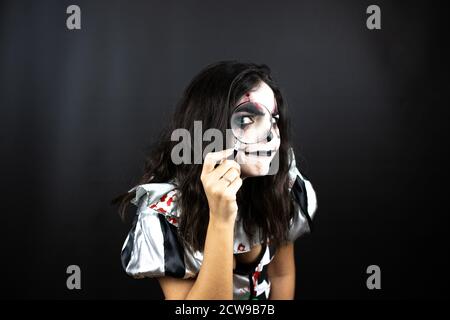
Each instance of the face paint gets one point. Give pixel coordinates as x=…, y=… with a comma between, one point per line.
x=255, y=159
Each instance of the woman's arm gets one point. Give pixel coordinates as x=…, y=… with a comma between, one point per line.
x=215, y=278
x=281, y=272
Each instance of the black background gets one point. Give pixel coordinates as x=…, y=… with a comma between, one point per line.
x=369, y=111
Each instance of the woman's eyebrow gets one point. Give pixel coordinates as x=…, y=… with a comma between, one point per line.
x=256, y=111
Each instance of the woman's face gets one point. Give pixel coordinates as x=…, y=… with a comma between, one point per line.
x=255, y=163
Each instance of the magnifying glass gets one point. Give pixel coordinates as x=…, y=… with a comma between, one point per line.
x=250, y=122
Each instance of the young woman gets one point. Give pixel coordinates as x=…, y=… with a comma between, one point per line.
x=225, y=228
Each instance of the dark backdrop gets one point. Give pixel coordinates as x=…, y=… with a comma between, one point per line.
x=79, y=108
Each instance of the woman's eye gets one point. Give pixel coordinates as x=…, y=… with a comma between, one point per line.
x=275, y=118
x=245, y=121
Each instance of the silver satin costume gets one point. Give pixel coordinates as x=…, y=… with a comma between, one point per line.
x=151, y=248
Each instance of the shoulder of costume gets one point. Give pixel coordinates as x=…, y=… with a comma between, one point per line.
x=302, y=190
x=157, y=198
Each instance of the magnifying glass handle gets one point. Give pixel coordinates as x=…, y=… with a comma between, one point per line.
x=235, y=151
x=231, y=156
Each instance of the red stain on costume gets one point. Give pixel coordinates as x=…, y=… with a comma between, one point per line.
x=164, y=206
x=255, y=278
x=173, y=220
x=154, y=206
x=256, y=275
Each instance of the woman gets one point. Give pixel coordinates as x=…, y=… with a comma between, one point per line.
x=223, y=229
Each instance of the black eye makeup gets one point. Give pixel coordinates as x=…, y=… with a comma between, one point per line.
x=252, y=110
x=244, y=119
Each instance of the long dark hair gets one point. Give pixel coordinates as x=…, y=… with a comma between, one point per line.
x=264, y=201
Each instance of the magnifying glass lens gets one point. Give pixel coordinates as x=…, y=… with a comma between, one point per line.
x=251, y=122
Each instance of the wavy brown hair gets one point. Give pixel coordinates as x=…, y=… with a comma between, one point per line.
x=265, y=201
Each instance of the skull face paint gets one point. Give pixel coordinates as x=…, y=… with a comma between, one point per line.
x=255, y=158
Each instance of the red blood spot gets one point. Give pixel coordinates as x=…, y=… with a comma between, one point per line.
x=173, y=220
x=256, y=277
x=163, y=198
x=169, y=201
x=246, y=99
x=161, y=210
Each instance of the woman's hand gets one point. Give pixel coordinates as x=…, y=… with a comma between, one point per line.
x=221, y=184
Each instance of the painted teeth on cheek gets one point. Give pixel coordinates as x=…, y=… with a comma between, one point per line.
x=260, y=153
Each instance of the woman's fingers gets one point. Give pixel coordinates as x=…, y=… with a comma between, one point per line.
x=235, y=185
x=221, y=184
x=226, y=165
x=212, y=158
x=231, y=175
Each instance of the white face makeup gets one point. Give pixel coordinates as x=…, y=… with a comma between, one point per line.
x=255, y=158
